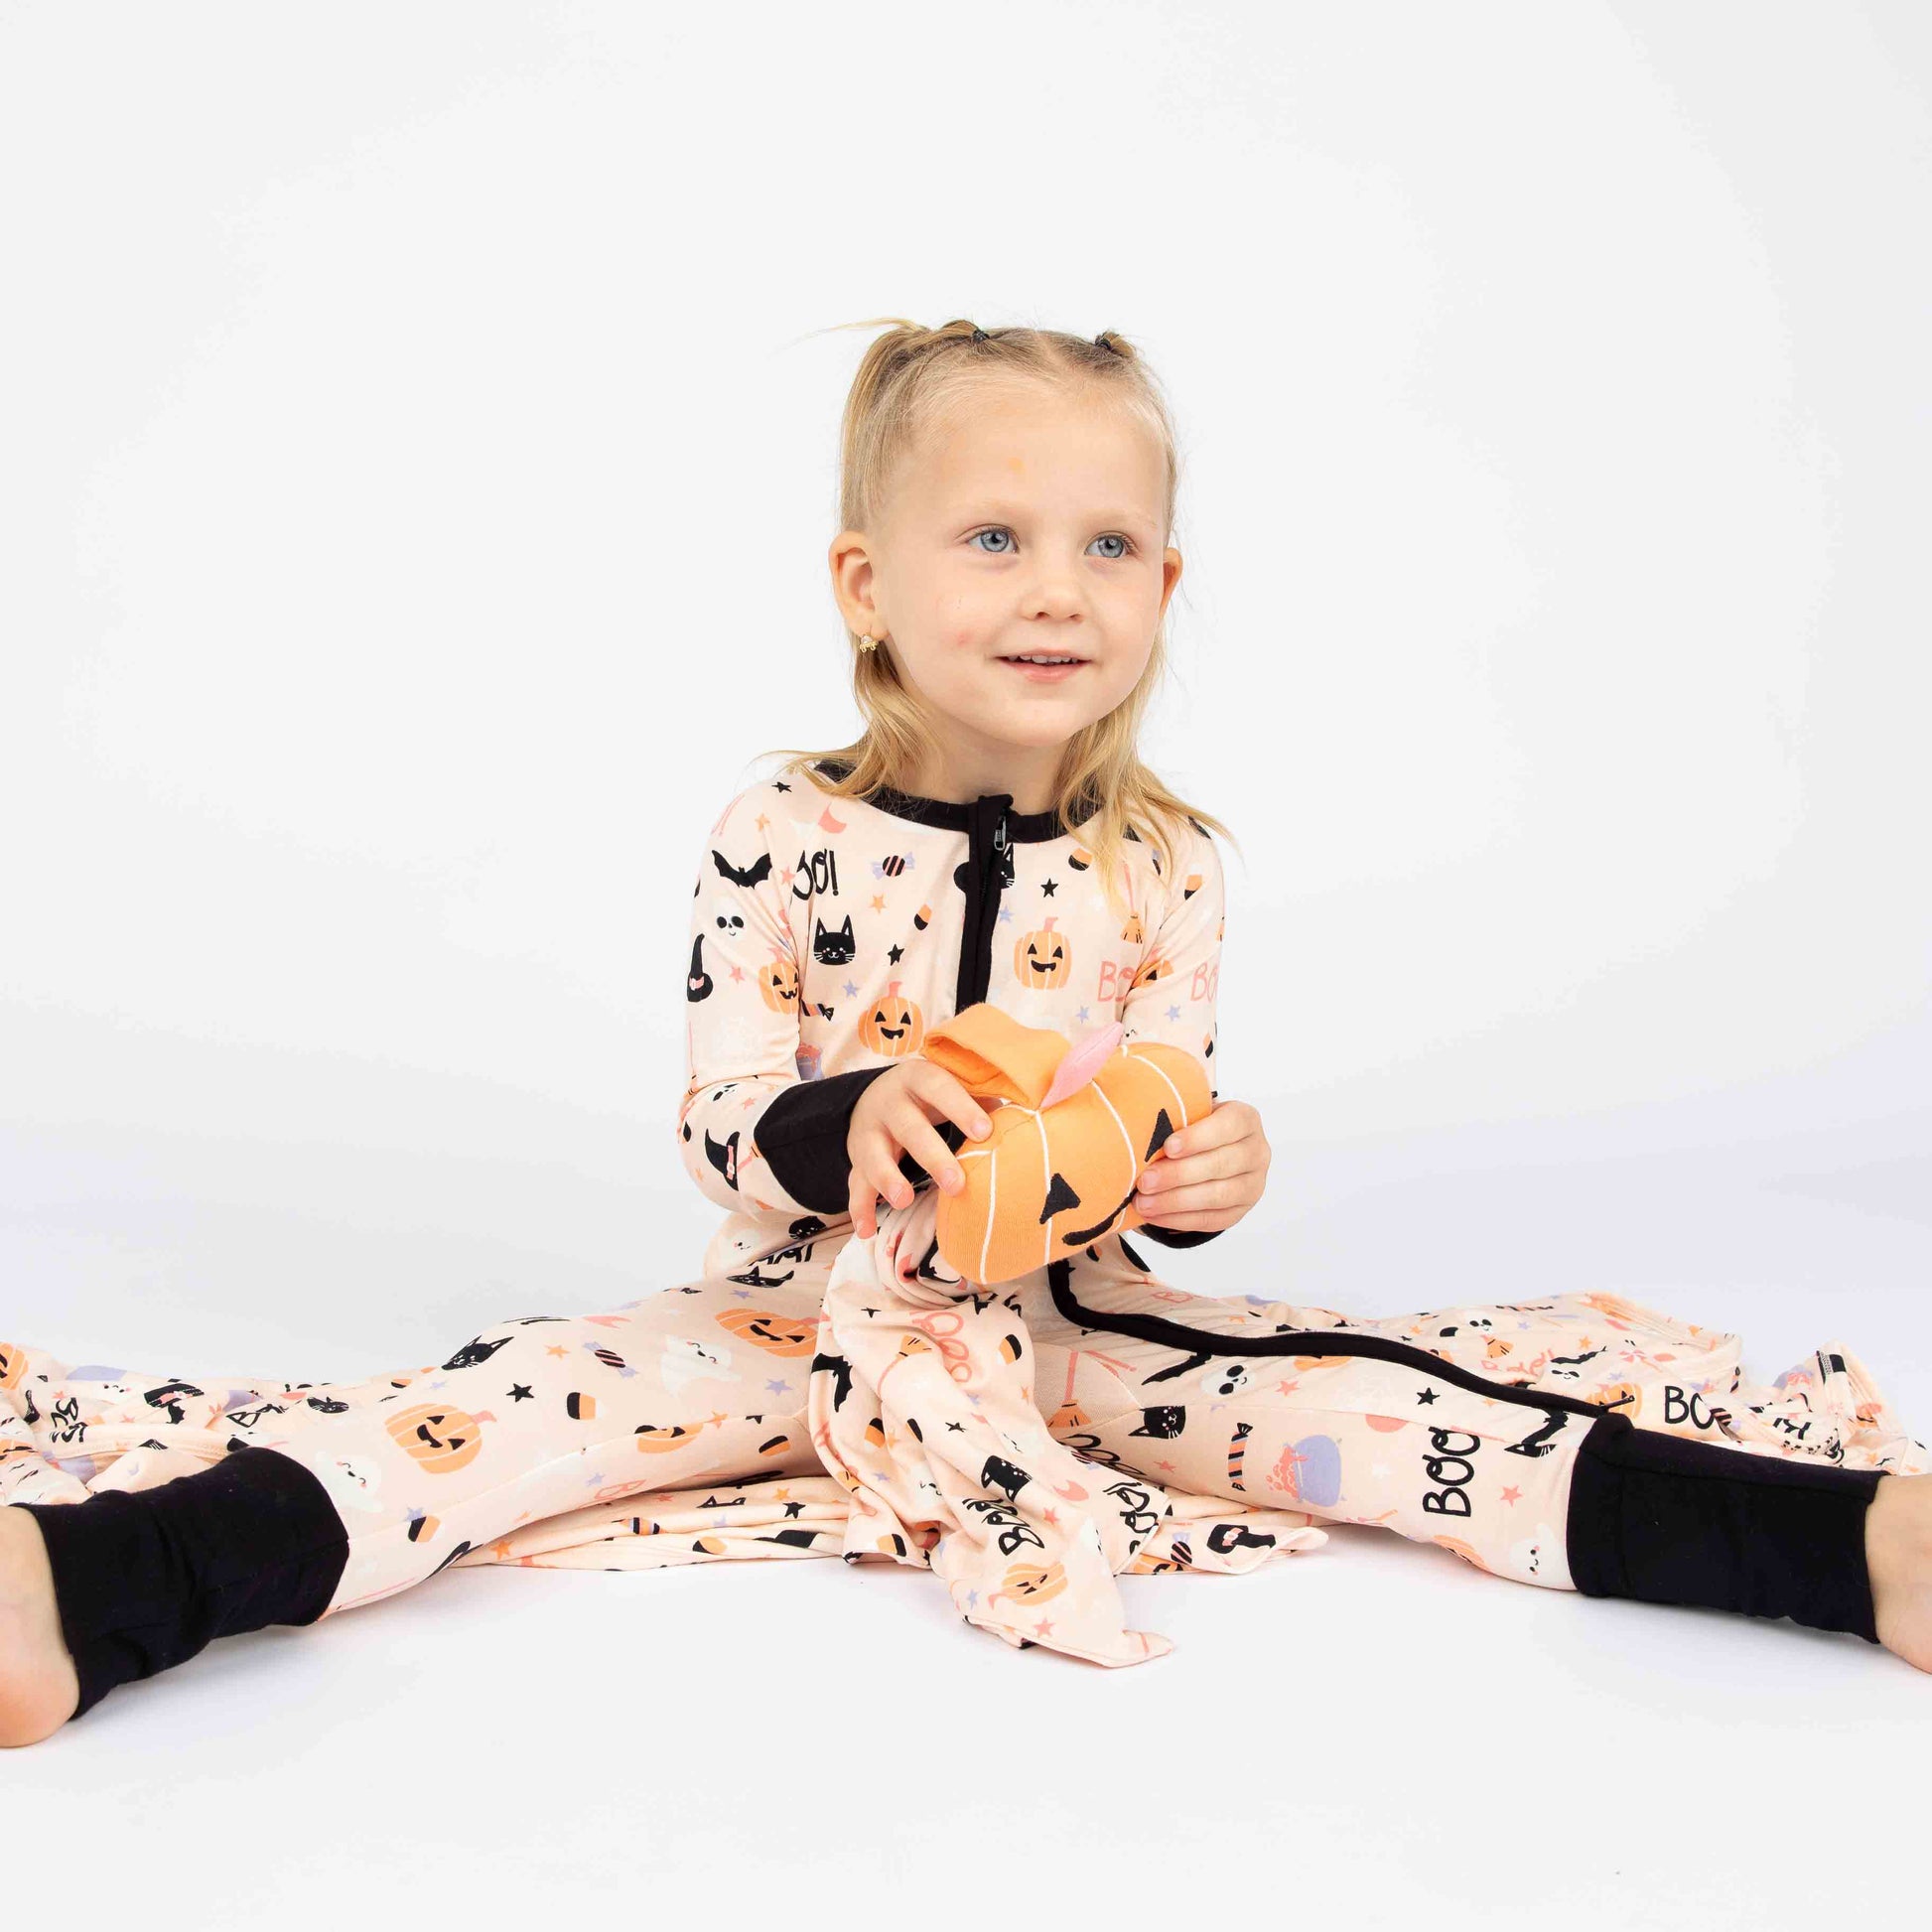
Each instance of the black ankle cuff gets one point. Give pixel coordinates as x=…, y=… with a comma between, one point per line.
x=1667, y=1520
x=146, y=1578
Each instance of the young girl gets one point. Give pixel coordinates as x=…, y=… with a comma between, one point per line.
x=991, y=835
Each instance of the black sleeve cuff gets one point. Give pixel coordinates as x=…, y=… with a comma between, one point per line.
x=802, y=1135
x=1177, y=1237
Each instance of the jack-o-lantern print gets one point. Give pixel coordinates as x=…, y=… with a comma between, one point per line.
x=1042, y=959
x=776, y=1335
x=778, y=982
x=1032, y=1583
x=1077, y=1126
x=441, y=1438
x=893, y=1025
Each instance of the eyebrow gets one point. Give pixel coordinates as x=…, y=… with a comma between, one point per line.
x=980, y=511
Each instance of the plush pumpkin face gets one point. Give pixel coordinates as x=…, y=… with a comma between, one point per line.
x=894, y=1026
x=442, y=1440
x=778, y=985
x=1040, y=959
x=1077, y=1127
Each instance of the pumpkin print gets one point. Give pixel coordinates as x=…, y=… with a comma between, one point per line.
x=653, y=1439
x=1077, y=1127
x=1029, y=1582
x=1625, y=1396
x=894, y=1026
x=13, y=1364
x=1133, y=932
x=776, y=1333
x=779, y=984
x=442, y=1440
x=1040, y=959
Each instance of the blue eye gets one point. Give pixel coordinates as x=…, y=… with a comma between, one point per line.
x=1000, y=530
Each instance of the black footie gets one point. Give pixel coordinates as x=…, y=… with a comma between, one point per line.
x=146, y=1578
x=1669, y=1520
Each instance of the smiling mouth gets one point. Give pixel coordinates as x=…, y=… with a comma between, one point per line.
x=1047, y=662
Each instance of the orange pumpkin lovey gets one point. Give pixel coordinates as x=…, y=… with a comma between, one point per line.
x=893, y=1026
x=1041, y=958
x=442, y=1440
x=1078, y=1125
x=777, y=1334
x=778, y=985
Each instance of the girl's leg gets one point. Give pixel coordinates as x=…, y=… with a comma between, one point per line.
x=1580, y=1442
x=324, y=1498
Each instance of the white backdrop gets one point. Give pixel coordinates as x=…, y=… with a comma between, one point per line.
x=418, y=468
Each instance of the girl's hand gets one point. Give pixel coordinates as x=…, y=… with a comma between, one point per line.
x=895, y=1116
x=1209, y=1174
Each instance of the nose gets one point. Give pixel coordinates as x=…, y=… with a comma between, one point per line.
x=1055, y=595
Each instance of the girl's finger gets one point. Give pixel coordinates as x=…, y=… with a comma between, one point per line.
x=1166, y=1203
x=946, y=1094
x=922, y=1140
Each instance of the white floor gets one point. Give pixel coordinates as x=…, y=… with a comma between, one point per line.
x=1373, y=1729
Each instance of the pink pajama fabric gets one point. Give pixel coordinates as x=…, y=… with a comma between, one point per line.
x=774, y=1410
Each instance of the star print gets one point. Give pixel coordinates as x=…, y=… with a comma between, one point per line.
x=1512, y=1495
x=894, y=954
x=878, y=901
x=1288, y=1388
x=973, y=1598
x=1080, y=1014
x=960, y=1426
x=1173, y=1013
x=520, y=1391
x=778, y=1388
x=1006, y=912
x=793, y=1510
x=599, y=1477
x=779, y=784
x=1043, y=1626
x=1425, y=1397
x=738, y=972
x=1047, y=888
x=556, y=1350
x=849, y=989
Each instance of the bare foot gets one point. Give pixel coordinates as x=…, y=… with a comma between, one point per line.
x=1898, y=1560
x=39, y=1690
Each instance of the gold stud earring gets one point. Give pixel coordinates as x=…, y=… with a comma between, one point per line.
x=869, y=643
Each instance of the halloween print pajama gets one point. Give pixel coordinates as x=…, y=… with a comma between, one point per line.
x=1580, y=1442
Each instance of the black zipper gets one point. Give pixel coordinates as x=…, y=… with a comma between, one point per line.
x=989, y=865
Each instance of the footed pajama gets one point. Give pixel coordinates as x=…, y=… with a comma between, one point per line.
x=805, y=1395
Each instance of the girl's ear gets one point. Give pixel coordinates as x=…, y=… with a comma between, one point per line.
x=994, y=1057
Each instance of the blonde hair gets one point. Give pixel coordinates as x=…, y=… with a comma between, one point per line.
x=909, y=380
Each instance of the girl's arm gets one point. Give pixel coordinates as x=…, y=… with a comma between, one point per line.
x=751, y=1132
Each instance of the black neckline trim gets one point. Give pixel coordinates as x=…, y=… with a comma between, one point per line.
x=1022, y=827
